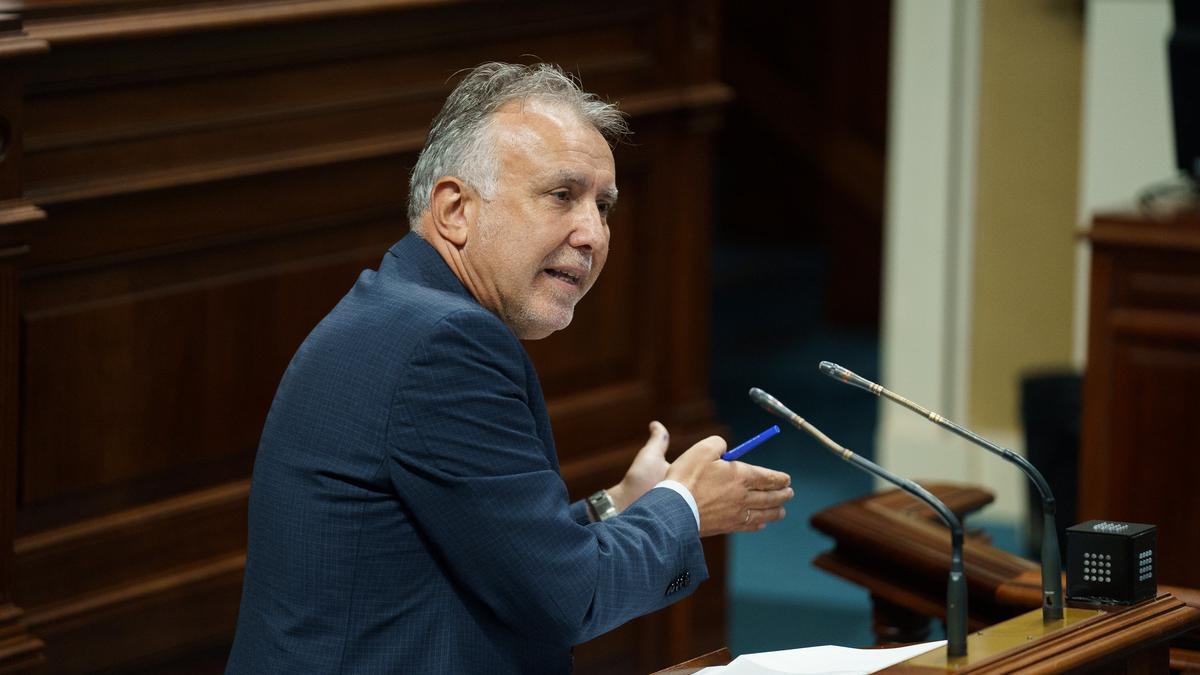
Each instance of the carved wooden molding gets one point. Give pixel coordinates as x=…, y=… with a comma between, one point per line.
x=181, y=529
x=1124, y=640
x=1109, y=636
x=719, y=657
x=19, y=650
x=150, y=587
x=868, y=528
x=80, y=22
x=1173, y=230
x=16, y=212
x=301, y=158
x=14, y=42
x=21, y=46
x=411, y=141
x=889, y=544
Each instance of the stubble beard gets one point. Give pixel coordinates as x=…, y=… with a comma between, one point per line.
x=533, y=314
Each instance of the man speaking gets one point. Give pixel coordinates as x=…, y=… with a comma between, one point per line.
x=406, y=509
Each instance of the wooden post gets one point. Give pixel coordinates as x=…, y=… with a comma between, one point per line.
x=20, y=651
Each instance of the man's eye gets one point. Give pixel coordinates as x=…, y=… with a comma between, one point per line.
x=561, y=195
x=603, y=208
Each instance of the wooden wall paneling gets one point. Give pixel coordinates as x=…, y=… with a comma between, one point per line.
x=691, y=37
x=169, y=613
x=219, y=326
x=221, y=213
x=90, y=556
x=1161, y=431
x=682, y=241
x=1098, y=395
x=1140, y=431
x=20, y=651
x=221, y=333
x=697, y=625
x=687, y=328
x=213, y=175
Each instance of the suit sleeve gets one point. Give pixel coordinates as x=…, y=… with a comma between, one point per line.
x=579, y=512
x=467, y=461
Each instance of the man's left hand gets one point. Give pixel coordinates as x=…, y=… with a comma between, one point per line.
x=648, y=468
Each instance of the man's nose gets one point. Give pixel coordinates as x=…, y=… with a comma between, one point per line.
x=589, y=229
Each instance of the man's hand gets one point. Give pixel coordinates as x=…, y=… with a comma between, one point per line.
x=731, y=496
x=648, y=468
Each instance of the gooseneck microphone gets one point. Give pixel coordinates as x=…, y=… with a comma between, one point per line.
x=956, y=587
x=1052, y=591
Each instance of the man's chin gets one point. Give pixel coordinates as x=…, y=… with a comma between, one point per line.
x=545, y=324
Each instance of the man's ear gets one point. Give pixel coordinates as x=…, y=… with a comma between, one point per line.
x=453, y=209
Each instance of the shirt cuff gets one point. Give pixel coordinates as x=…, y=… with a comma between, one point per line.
x=687, y=497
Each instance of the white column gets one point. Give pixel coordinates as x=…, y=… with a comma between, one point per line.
x=928, y=235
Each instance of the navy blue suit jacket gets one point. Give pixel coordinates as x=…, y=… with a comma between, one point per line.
x=406, y=509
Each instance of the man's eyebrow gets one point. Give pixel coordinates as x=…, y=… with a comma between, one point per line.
x=608, y=193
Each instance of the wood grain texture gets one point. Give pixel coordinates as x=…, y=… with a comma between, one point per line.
x=889, y=544
x=20, y=651
x=9, y=415
x=1140, y=430
x=1004, y=587
x=192, y=185
x=718, y=657
x=1133, y=640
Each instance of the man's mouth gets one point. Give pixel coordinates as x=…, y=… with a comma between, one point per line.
x=562, y=275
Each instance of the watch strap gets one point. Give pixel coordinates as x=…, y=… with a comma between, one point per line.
x=601, y=506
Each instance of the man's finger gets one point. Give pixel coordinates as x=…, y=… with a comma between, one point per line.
x=658, y=431
x=755, y=519
x=759, y=478
x=760, y=517
x=768, y=499
x=659, y=439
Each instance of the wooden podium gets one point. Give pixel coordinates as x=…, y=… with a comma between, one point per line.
x=889, y=544
x=1125, y=640
x=1138, y=461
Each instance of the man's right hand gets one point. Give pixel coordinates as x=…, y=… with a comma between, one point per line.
x=731, y=496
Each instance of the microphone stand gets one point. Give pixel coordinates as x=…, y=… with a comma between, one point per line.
x=1052, y=591
x=956, y=586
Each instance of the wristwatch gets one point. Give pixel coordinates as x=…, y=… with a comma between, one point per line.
x=601, y=506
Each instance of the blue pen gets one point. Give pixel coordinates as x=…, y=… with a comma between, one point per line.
x=750, y=444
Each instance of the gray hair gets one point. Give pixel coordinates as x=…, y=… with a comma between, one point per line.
x=457, y=144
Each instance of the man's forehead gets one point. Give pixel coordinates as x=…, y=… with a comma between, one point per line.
x=529, y=108
x=546, y=132
x=536, y=120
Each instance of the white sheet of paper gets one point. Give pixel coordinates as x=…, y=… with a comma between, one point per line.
x=826, y=660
